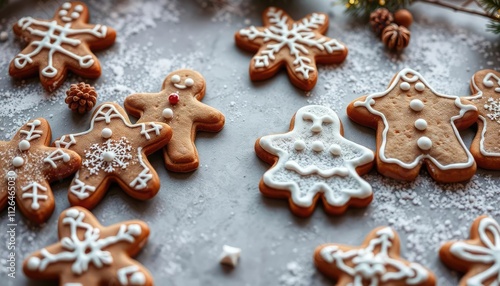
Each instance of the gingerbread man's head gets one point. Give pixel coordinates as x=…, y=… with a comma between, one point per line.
x=185, y=82
x=72, y=12
x=316, y=119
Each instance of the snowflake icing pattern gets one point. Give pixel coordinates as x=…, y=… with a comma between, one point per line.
x=493, y=106
x=296, y=39
x=108, y=156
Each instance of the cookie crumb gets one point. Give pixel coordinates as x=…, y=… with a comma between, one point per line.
x=3, y=36
x=230, y=255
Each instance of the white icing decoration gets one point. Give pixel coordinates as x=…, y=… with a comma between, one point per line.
x=318, y=146
x=295, y=38
x=33, y=263
x=108, y=156
x=167, y=113
x=80, y=189
x=79, y=8
x=419, y=86
x=141, y=181
x=66, y=6
x=24, y=145
x=106, y=133
x=106, y=113
x=414, y=77
x=32, y=133
x=335, y=149
x=75, y=15
x=421, y=124
x=306, y=173
x=374, y=264
x=230, y=255
x=57, y=155
x=405, y=86
x=175, y=78
x=82, y=253
x=34, y=187
x=299, y=145
x=424, y=143
x=416, y=105
x=189, y=82
x=18, y=161
x=489, y=83
x=493, y=106
x=131, y=275
x=154, y=128
x=54, y=38
x=63, y=12
x=62, y=143
x=488, y=253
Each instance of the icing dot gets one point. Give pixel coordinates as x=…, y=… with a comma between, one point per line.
x=17, y=161
x=167, y=113
x=299, y=145
x=33, y=263
x=72, y=213
x=175, y=78
x=335, y=149
x=404, y=86
x=106, y=133
x=421, y=124
x=108, y=156
x=416, y=105
x=419, y=86
x=173, y=98
x=134, y=229
x=66, y=5
x=189, y=82
x=318, y=146
x=424, y=143
x=63, y=13
x=36, y=122
x=75, y=15
x=138, y=278
x=66, y=158
x=488, y=83
x=78, y=8
x=24, y=145
x=372, y=102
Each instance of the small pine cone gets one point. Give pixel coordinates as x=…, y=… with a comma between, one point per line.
x=396, y=37
x=379, y=19
x=81, y=97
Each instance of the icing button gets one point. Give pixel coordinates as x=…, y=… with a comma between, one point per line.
x=421, y=124
x=17, y=161
x=106, y=133
x=138, y=278
x=33, y=263
x=108, y=156
x=167, y=113
x=335, y=149
x=299, y=145
x=318, y=146
x=404, y=86
x=419, y=86
x=416, y=105
x=424, y=143
x=24, y=145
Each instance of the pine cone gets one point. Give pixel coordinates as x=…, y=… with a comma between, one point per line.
x=396, y=37
x=81, y=97
x=379, y=19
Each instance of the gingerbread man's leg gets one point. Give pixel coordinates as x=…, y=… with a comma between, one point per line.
x=140, y=181
x=35, y=199
x=129, y=272
x=87, y=190
x=180, y=154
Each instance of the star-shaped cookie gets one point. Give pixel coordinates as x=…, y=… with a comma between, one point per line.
x=376, y=262
x=90, y=254
x=312, y=161
x=179, y=105
x=477, y=257
x=114, y=150
x=297, y=45
x=486, y=145
x=28, y=165
x=62, y=43
x=417, y=126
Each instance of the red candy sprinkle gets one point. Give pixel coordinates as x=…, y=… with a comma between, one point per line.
x=173, y=98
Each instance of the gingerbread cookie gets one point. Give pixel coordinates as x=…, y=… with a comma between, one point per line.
x=477, y=257
x=90, y=254
x=376, y=263
x=313, y=160
x=298, y=45
x=417, y=126
x=28, y=165
x=179, y=105
x=486, y=145
x=62, y=43
x=114, y=150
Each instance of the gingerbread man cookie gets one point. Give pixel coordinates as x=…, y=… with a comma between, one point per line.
x=298, y=45
x=90, y=254
x=179, y=105
x=418, y=126
x=376, y=263
x=28, y=165
x=114, y=150
x=486, y=145
x=62, y=43
x=477, y=257
x=313, y=160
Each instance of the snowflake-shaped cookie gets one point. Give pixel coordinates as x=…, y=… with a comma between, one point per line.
x=417, y=126
x=376, y=263
x=486, y=145
x=179, y=105
x=298, y=45
x=27, y=166
x=60, y=44
x=89, y=254
x=477, y=257
x=313, y=160
x=114, y=150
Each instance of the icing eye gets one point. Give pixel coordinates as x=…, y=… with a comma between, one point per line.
x=75, y=15
x=79, y=8
x=66, y=5
x=175, y=79
x=327, y=119
x=307, y=116
x=189, y=82
x=63, y=13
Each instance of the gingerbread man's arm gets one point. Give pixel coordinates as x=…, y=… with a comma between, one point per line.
x=97, y=37
x=153, y=135
x=135, y=104
x=470, y=113
x=210, y=119
x=358, y=112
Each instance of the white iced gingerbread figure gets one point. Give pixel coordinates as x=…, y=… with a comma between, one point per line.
x=313, y=160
